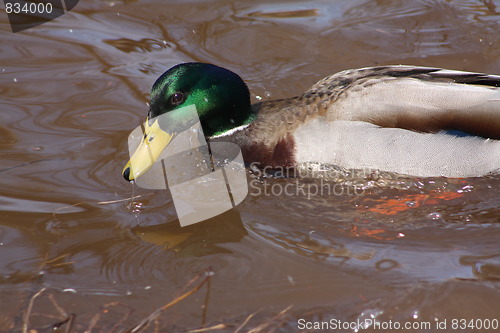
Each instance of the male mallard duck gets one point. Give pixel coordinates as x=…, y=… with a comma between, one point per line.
x=404, y=119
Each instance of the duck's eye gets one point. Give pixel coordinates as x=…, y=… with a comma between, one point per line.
x=177, y=98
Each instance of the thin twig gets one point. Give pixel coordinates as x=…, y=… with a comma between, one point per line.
x=104, y=308
x=53, y=262
x=208, y=329
x=146, y=321
x=57, y=306
x=30, y=307
x=71, y=323
x=157, y=325
x=69, y=320
x=125, y=316
x=205, y=304
x=246, y=321
x=265, y=325
x=119, y=200
x=99, y=203
x=63, y=207
x=183, y=296
x=32, y=162
x=93, y=322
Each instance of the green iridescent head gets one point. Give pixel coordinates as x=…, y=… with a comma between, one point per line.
x=222, y=102
x=221, y=97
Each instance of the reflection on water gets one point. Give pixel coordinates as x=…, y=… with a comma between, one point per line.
x=196, y=240
x=73, y=89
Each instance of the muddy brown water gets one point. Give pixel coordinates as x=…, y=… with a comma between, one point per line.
x=416, y=250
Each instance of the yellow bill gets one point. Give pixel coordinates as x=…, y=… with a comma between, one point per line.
x=154, y=141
